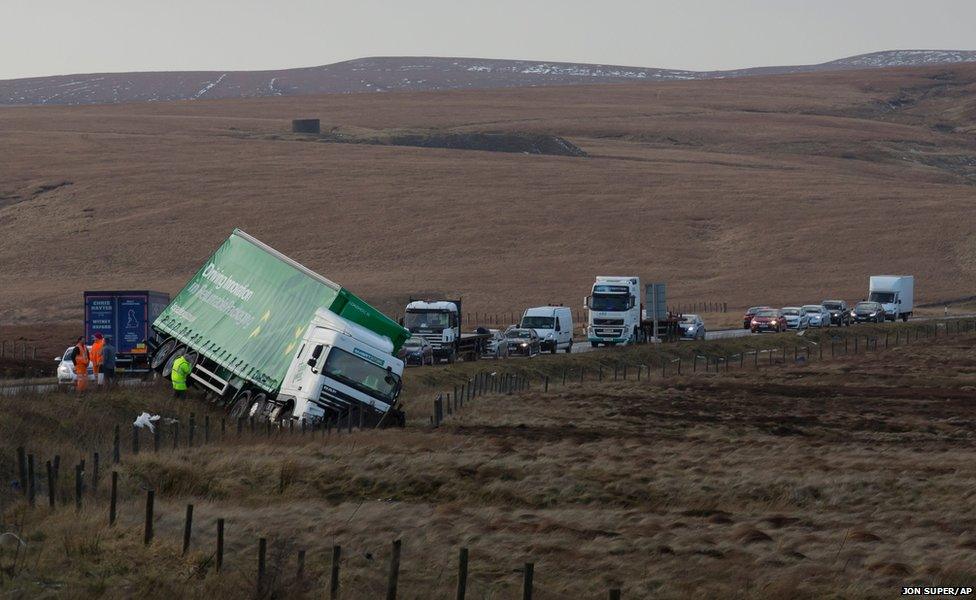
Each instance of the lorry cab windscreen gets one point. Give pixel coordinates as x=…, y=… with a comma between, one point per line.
x=424, y=319
x=883, y=297
x=538, y=322
x=610, y=302
x=362, y=375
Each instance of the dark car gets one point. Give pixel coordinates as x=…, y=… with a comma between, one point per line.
x=523, y=341
x=768, y=319
x=417, y=351
x=868, y=312
x=750, y=313
x=840, y=313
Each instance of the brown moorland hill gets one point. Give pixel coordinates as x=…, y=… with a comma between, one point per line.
x=777, y=189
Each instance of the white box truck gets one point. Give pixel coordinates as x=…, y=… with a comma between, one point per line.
x=554, y=324
x=895, y=293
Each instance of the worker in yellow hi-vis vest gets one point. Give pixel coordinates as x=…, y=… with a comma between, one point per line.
x=181, y=370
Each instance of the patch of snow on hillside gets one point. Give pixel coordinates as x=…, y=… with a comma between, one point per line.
x=209, y=86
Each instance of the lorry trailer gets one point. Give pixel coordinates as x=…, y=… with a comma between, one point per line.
x=269, y=338
x=439, y=322
x=125, y=317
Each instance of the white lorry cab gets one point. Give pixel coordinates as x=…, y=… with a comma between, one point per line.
x=340, y=365
x=614, y=311
x=895, y=293
x=554, y=324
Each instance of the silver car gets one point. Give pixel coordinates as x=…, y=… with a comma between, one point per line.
x=66, y=369
x=817, y=315
x=795, y=317
x=692, y=327
x=497, y=346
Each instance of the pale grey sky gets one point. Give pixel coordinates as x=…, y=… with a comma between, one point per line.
x=50, y=37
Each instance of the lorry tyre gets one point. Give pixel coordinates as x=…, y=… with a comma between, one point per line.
x=168, y=368
x=452, y=357
x=241, y=405
x=594, y=344
x=162, y=354
x=904, y=318
x=261, y=408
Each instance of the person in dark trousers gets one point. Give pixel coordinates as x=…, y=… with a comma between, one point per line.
x=108, y=362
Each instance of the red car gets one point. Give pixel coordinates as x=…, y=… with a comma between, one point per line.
x=750, y=313
x=768, y=319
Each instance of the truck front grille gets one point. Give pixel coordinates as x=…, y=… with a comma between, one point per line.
x=618, y=322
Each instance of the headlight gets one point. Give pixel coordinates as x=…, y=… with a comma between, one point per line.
x=524, y=344
x=773, y=321
x=874, y=314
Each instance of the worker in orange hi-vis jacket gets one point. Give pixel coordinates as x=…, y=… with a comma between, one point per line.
x=96, y=357
x=80, y=356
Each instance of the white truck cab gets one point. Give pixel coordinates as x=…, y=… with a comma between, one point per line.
x=614, y=311
x=895, y=293
x=554, y=324
x=438, y=322
x=338, y=365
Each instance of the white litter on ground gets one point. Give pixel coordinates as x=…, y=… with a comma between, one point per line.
x=146, y=420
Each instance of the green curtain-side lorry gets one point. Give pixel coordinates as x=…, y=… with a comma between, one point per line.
x=270, y=338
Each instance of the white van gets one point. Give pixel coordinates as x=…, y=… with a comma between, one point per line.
x=554, y=324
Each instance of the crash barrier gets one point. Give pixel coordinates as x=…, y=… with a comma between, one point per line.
x=796, y=351
x=270, y=575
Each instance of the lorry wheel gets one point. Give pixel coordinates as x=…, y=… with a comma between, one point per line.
x=162, y=354
x=168, y=368
x=904, y=318
x=594, y=344
x=241, y=405
x=261, y=407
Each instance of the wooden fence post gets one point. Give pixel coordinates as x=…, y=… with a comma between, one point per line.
x=78, y=484
x=192, y=426
x=300, y=573
x=527, y=581
x=391, y=585
x=157, y=433
x=187, y=528
x=614, y=594
x=50, y=485
x=334, y=578
x=462, y=582
x=113, y=503
x=262, y=554
x=135, y=440
x=148, y=533
x=220, y=545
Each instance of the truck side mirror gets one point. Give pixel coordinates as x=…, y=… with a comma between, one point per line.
x=557, y=326
x=311, y=362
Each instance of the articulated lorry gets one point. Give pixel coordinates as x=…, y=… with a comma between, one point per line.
x=616, y=314
x=270, y=338
x=126, y=318
x=896, y=293
x=439, y=322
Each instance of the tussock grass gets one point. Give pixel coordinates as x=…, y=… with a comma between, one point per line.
x=838, y=478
